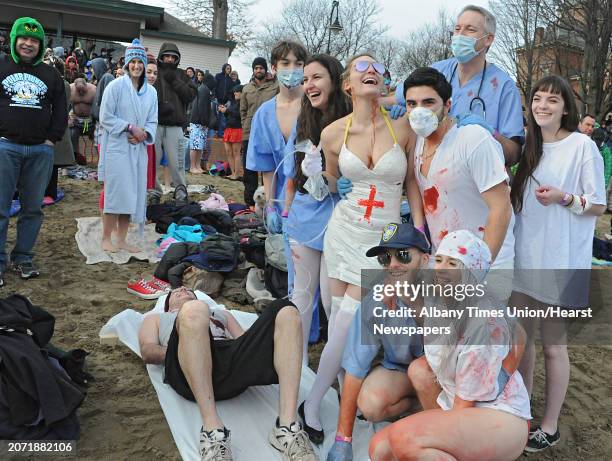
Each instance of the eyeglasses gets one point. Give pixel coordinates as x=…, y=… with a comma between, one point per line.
x=403, y=257
x=362, y=66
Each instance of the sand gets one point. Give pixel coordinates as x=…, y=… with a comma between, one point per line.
x=121, y=418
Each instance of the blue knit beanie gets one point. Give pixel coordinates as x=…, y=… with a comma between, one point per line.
x=135, y=51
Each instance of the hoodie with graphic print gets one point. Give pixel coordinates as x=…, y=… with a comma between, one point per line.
x=32, y=97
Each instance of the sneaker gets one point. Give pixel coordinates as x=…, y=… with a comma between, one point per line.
x=26, y=270
x=292, y=442
x=215, y=445
x=316, y=436
x=143, y=289
x=159, y=284
x=540, y=440
x=181, y=197
x=1, y=279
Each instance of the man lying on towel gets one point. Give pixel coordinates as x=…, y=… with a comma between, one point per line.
x=207, y=356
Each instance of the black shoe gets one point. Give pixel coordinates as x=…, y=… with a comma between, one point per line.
x=26, y=270
x=181, y=198
x=314, y=435
x=540, y=440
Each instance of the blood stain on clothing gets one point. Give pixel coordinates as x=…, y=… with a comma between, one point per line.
x=494, y=82
x=481, y=229
x=443, y=170
x=470, y=94
x=430, y=199
x=442, y=234
x=462, y=250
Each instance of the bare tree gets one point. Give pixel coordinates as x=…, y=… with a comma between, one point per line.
x=223, y=19
x=427, y=44
x=519, y=45
x=387, y=50
x=308, y=22
x=586, y=24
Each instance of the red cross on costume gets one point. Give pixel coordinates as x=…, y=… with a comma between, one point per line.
x=370, y=203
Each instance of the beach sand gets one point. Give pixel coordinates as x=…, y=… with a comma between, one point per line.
x=121, y=418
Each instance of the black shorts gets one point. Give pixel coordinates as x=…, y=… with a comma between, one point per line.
x=237, y=364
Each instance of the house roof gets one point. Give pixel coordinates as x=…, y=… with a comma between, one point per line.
x=173, y=28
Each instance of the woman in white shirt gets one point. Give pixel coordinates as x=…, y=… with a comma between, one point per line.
x=483, y=410
x=557, y=194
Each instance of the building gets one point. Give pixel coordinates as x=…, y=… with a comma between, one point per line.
x=99, y=24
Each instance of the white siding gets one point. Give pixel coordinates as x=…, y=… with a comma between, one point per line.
x=197, y=55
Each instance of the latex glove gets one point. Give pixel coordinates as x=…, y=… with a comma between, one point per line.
x=312, y=165
x=274, y=222
x=397, y=111
x=340, y=451
x=344, y=186
x=473, y=119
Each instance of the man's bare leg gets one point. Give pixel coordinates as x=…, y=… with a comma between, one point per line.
x=288, y=361
x=385, y=394
x=424, y=382
x=109, y=225
x=195, y=359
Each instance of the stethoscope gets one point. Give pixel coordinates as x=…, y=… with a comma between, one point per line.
x=477, y=98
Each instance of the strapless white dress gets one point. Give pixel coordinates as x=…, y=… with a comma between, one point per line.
x=356, y=223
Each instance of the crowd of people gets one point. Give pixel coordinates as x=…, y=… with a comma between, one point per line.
x=336, y=154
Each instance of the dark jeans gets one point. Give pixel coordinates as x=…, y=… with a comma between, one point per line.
x=250, y=179
x=52, y=186
x=28, y=169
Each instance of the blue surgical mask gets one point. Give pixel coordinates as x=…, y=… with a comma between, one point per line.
x=464, y=48
x=291, y=77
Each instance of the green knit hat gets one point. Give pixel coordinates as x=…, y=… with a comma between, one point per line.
x=28, y=27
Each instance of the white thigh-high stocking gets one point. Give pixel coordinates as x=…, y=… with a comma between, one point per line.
x=329, y=365
x=306, y=266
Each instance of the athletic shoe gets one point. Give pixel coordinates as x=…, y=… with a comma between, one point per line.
x=26, y=270
x=215, y=445
x=1, y=279
x=316, y=436
x=159, y=284
x=540, y=440
x=292, y=442
x=142, y=289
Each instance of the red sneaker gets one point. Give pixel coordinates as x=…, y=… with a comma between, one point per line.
x=142, y=289
x=159, y=284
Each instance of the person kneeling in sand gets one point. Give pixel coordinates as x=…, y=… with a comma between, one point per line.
x=207, y=356
x=128, y=116
x=383, y=392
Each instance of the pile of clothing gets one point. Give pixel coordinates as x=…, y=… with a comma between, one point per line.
x=41, y=386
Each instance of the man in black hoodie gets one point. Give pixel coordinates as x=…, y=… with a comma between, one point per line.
x=33, y=117
x=174, y=92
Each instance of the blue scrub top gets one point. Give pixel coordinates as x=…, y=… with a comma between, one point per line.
x=267, y=148
x=499, y=93
x=399, y=351
x=308, y=217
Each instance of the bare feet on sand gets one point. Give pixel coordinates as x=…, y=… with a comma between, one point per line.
x=192, y=171
x=107, y=245
x=127, y=247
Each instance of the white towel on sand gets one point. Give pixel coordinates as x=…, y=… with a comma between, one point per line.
x=89, y=238
x=250, y=416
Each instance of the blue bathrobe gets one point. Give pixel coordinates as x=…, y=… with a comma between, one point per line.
x=123, y=166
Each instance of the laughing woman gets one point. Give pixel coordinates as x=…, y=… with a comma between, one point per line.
x=323, y=102
x=370, y=150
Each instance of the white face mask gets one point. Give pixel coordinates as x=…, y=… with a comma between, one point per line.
x=423, y=121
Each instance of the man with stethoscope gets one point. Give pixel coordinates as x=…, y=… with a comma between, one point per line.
x=483, y=94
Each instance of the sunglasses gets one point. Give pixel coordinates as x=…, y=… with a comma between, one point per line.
x=403, y=257
x=362, y=66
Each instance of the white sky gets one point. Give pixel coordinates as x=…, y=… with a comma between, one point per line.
x=402, y=16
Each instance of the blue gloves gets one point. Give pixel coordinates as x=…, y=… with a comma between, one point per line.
x=473, y=119
x=344, y=186
x=397, y=111
x=273, y=221
x=340, y=451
